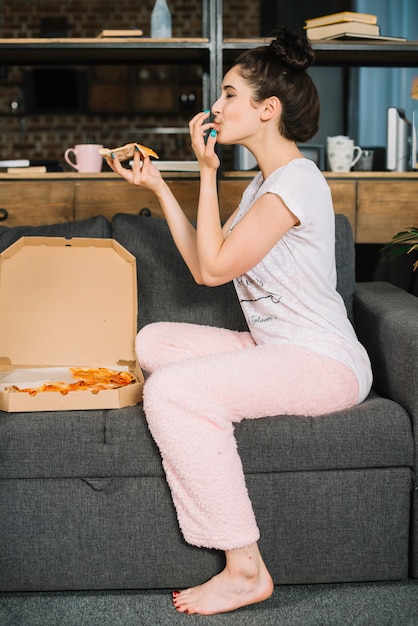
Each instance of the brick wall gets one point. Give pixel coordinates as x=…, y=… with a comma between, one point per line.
x=46, y=136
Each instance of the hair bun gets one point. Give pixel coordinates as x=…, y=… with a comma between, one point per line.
x=294, y=51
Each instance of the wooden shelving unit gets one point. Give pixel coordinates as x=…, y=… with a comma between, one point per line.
x=212, y=51
x=355, y=193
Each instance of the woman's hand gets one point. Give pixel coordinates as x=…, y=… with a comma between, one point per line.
x=204, y=151
x=143, y=172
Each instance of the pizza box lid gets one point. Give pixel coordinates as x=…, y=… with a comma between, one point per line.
x=68, y=302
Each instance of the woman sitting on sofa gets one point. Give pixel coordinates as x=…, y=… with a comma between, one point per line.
x=300, y=355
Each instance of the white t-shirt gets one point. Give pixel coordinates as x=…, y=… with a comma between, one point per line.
x=290, y=296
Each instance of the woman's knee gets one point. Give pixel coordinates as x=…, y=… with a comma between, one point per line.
x=148, y=345
x=170, y=407
x=162, y=389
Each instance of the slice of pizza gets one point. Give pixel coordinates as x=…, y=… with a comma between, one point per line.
x=127, y=151
x=85, y=379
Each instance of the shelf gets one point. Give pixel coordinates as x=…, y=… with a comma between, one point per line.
x=360, y=53
x=181, y=50
x=102, y=51
x=354, y=53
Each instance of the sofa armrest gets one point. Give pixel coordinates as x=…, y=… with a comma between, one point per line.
x=386, y=320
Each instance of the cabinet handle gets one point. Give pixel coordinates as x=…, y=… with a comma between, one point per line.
x=145, y=212
x=3, y=215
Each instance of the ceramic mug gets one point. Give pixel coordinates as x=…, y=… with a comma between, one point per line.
x=87, y=157
x=365, y=164
x=342, y=153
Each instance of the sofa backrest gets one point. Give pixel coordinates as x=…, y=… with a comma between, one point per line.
x=167, y=291
x=92, y=227
x=345, y=261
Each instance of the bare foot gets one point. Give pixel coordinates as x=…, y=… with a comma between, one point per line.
x=245, y=580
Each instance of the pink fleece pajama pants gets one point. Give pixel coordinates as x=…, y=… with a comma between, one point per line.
x=202, y=380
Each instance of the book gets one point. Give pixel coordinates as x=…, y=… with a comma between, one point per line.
x=333, y=30
x=26, y=165
x=137, y=32
x=15, y=163
x=35, y=169
x=343, y=16
x=349, y=36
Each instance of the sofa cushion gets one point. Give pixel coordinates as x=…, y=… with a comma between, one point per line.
x=92, y=227
x=377, y=433
x=102, y=443
x=166, y=289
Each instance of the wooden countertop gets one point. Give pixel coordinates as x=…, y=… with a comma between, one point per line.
x=339, y=175
x=74, y=176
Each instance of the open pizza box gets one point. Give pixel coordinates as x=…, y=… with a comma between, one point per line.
x=66, y=303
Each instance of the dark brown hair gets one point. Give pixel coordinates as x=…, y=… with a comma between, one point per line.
x=279, y=69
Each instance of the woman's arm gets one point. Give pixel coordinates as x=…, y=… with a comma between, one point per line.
x=145, y=174
x=224, y=256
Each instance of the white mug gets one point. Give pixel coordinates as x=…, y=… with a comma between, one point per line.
x=87, y=157
x=342, y=153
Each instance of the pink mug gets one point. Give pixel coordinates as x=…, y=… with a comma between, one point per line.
x=87, y=157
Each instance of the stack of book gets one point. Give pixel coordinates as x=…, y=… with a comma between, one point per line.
x=345, y=25
x=26, y=166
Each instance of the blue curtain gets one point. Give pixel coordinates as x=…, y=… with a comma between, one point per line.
x=380, y=88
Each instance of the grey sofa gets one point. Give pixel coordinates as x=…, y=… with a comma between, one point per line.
x=84, y=502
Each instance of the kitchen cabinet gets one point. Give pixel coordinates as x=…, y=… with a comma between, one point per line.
x=385, y=207
x=107, y=196
x=64, y=197
x=343, y=192
x=32, y=202
x=377, y=204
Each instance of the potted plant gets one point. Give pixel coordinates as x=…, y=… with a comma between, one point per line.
x=403, y=242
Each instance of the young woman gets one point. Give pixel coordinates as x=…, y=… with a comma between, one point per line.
x=300, y=355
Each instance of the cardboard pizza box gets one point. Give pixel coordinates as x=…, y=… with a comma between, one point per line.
x=66, y=303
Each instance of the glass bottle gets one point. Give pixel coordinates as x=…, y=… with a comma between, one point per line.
x=161, y=20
